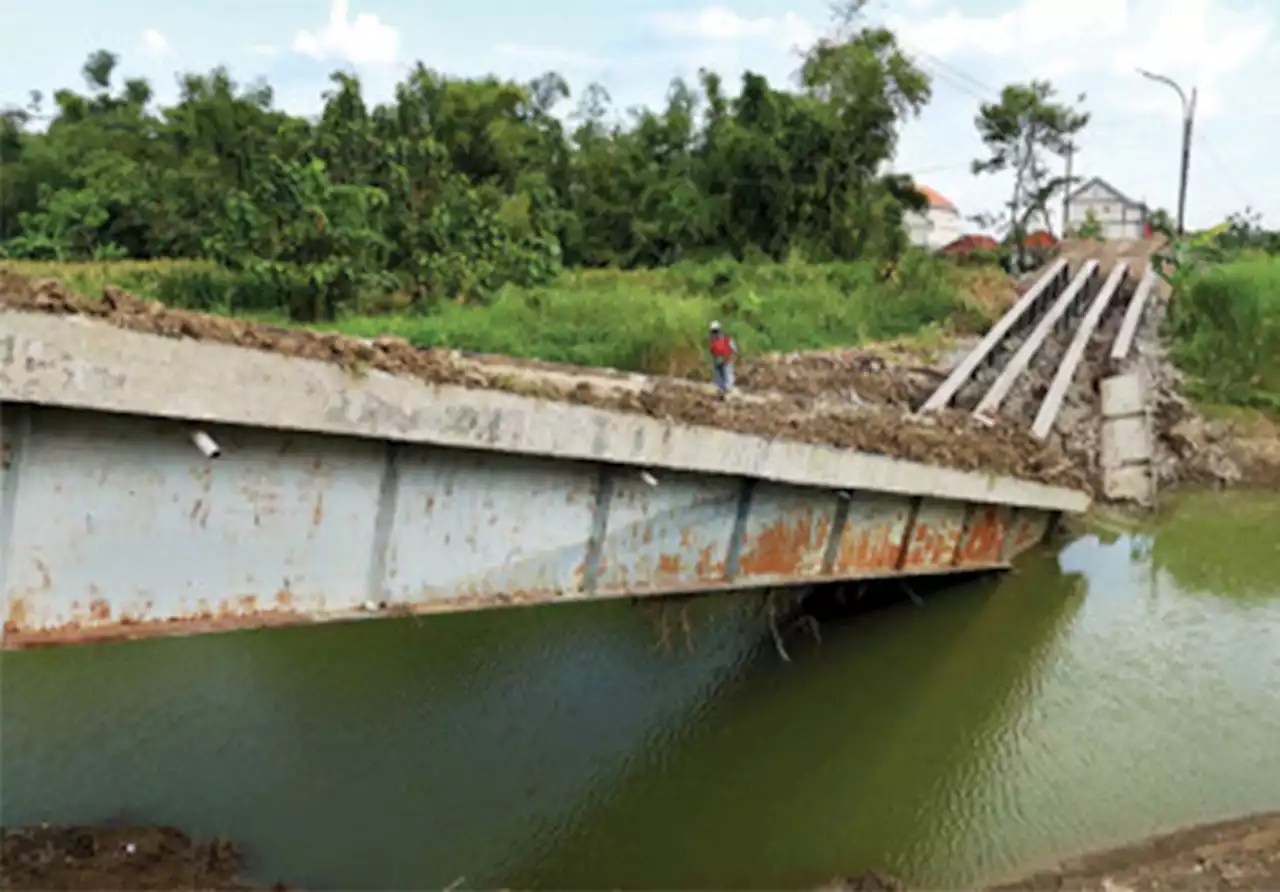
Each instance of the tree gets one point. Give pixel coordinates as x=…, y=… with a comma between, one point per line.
x=1091, y=228
x=1019, y=130
x=457, y=186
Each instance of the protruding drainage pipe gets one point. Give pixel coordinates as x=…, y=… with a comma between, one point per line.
x=205, y=443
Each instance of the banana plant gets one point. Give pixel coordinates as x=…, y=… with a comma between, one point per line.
x=1185, y=252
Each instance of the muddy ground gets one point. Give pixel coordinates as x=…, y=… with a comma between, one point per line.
x=109, y=858
x=948, y=439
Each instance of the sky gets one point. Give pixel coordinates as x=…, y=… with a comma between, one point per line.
x=1228, y=49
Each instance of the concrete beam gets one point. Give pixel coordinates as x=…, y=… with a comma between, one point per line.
x=1133, y=316
x=1020, y=360
x=1017, y=314
x=1066, y=373
x=85, y=364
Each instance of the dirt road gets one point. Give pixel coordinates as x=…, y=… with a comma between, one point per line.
x=947, y=439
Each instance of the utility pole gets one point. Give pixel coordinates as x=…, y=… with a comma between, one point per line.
x=1188, y=117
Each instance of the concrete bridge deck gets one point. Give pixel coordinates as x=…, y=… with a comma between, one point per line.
x=334, y=497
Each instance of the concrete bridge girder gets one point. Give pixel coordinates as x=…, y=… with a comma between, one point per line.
x=332, y=499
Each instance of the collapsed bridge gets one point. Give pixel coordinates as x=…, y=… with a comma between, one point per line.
x=176, y=485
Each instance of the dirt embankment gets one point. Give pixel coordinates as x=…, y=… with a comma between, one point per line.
x=948, y=439
x=1238, y=854
x=107, y=858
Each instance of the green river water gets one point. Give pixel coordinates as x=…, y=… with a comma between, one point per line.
x=1113, y=686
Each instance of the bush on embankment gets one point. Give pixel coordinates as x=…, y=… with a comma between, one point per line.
x=1225, y=322
x=643, y=320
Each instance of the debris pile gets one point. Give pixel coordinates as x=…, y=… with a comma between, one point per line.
x=854, y=377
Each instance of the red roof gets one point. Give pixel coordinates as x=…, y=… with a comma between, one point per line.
x=935, y=198
x=1040, y=239
x=967, y=244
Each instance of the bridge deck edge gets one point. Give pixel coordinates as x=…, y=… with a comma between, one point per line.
x=81, y=364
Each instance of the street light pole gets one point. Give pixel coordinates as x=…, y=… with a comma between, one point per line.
x=1188, y=116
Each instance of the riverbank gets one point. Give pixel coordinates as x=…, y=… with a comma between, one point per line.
x=109, y=858
x=1242, y=853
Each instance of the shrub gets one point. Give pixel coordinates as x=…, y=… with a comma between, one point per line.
x=1225, y=323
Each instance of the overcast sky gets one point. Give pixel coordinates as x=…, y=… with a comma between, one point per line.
x=1230, y=49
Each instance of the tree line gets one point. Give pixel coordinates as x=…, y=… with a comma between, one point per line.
x=459, y=186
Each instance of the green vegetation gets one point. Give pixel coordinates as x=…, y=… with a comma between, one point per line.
x=645, y=320
x=1225, y=316
x=1225, y=322
x=1091, y=228
x=459, y=187
x=1018, y=131
x=468, y=213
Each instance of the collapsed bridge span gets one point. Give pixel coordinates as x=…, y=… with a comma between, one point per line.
x=169, y=485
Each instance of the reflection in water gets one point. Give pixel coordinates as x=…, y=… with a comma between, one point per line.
x=1233, y=551
x=1103, y=693
x=395, y=753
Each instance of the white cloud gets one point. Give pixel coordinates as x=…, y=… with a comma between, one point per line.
x=721, y=24
x=1202, y=42
x=365, y=40
x=154, y=44
x=263, y=49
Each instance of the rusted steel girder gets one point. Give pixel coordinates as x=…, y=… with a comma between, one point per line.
x=117, y=527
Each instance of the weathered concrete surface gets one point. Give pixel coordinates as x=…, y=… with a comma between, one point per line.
x=335, y=497
x=1123, y=395
x=71, y=362
x=945, y=439
x=1127, y=442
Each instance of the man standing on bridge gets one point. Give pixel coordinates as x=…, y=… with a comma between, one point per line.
x=723, y=350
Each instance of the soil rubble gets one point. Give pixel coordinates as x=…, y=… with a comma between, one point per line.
x=110, y=858
x=950, y=439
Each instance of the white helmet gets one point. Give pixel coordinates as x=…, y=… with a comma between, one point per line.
x=715, y=326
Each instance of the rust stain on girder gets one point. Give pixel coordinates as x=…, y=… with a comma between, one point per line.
x=1027, y=532
x=931, y=546
x=869, y=549
x=784, y=547
x=983, y=541
x=96, y=622
x=239, y=613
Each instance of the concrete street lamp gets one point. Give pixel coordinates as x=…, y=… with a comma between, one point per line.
x=1188, y=115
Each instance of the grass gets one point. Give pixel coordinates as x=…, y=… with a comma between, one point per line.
x=1225, y=324
x=644, y=320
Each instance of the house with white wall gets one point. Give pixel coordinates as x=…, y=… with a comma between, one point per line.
x=1119, y=215
x=936, y=227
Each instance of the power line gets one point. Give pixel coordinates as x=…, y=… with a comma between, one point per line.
x=1223, y=169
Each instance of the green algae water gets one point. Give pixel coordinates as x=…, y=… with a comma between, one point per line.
x=1117, y=685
